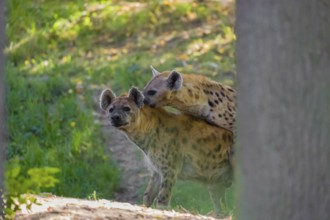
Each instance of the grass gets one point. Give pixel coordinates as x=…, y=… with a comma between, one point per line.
x=50, y=126
x=60, y=54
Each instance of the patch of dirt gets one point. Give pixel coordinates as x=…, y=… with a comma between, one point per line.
x=53, y=207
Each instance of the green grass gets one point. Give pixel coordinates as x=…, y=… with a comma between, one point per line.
x=60, y=54
x=194, y=197
x=50, y=126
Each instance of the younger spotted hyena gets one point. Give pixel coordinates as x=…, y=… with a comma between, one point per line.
x=195, y=95
x=176, y=146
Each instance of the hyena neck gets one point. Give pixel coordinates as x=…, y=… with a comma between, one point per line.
x=189, y=99
x=143, y=131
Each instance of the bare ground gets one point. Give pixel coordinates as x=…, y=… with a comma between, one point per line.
x=60, y=208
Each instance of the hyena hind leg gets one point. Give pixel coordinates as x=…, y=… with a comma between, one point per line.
x=217, y=194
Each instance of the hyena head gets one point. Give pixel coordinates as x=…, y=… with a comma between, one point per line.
x=121, y=111
x=159, y=89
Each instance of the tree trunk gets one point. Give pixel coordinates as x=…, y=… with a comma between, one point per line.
x=283, y=147
x=2, y=104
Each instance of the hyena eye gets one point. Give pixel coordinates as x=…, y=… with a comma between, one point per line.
x=151, y=92
x=126, y=109
x=111, y=110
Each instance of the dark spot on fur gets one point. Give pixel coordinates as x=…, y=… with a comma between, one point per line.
x=217, y=149
x=224, y=137
x=217, y=94
x=161, y=199
x=230, y=137
x=211, y=110
x=164, y=184
x=211, y=92
x=220, y=116
x=223, y=94
x=216, y=102
x=229, y=89
x=189, y=91
x=211, y=103
x=196, y=96
x=220, y=100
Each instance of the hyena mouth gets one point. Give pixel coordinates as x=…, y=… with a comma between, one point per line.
x=118, y=124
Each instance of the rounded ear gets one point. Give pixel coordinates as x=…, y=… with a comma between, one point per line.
x=154, y=71
x=174, y=81
x=106, y=98
x=137, y=96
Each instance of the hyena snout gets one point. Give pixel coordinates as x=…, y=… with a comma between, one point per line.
x=117, y=120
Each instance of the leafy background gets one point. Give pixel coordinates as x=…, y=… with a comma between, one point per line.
x=60, y=54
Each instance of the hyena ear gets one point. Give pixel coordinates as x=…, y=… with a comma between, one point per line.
x=174, y=81
x=136, y=96
x=154, y=71
x=106, y=98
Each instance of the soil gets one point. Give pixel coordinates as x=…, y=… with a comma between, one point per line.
x=60, y=208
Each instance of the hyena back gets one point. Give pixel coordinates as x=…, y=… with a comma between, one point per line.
x=193, y=94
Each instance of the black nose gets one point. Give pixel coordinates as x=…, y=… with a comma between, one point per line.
x=115, y=118
x=145, y=101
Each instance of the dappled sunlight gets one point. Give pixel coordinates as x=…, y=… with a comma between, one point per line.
x=91, y=34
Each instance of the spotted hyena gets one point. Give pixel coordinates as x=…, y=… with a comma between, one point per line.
x=176, y=146
x=196, y=95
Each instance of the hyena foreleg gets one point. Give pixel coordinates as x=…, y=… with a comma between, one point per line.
x=167, y=183
x=152, y=189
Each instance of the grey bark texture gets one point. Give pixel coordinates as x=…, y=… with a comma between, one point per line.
x=2, y=104
x=283, y=146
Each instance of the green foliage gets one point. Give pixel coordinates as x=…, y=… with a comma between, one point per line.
x=49, y=126
x=17, y=183
x=62, y=53
x=36, y=179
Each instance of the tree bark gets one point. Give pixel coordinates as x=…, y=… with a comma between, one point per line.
x=2, y=104
x=283, y=146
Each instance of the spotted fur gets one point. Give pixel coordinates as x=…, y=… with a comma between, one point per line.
x=196, y=95
x=174, y=146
